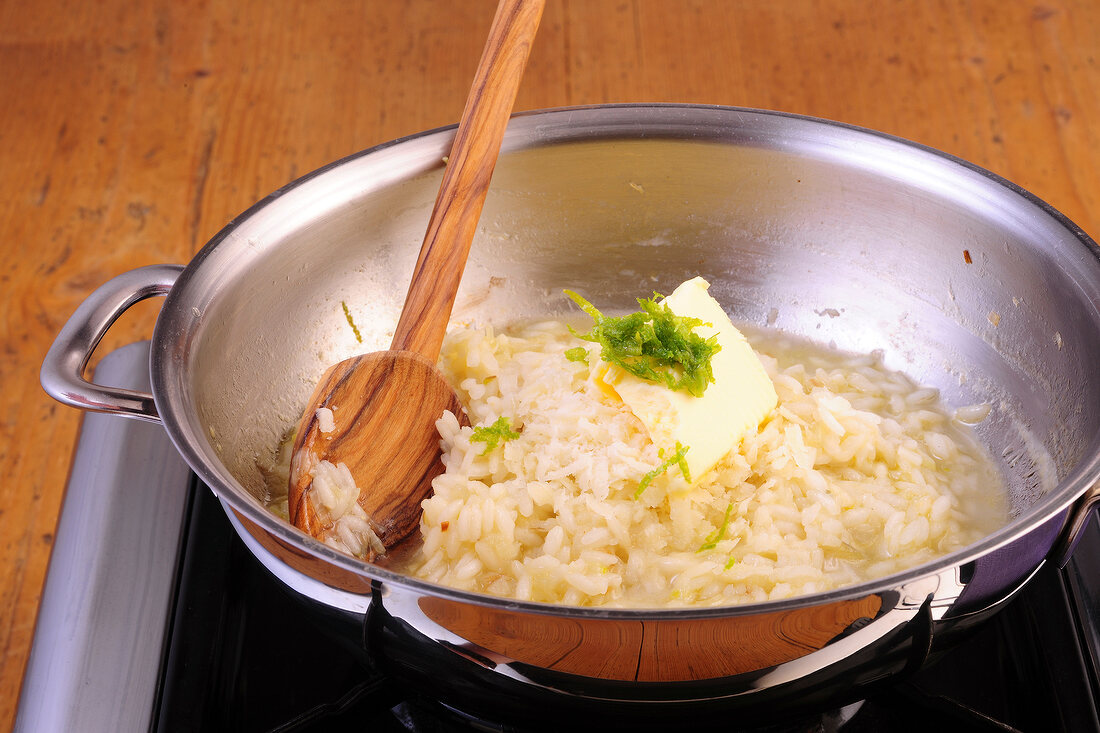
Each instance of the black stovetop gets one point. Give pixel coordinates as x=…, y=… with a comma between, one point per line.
x=248, y=655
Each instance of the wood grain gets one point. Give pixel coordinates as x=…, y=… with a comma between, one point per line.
x=653, y=650
x=132, y=132
x=473, y=157
x=385, y=405
x=388, y=403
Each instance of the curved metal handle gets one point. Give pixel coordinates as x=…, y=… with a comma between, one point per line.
x=1079, y=514
x=62, y=374
x=913, y=600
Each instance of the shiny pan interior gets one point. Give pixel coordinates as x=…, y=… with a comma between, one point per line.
x=838, y=234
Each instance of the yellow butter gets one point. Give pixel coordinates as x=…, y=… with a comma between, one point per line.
x=740, y=397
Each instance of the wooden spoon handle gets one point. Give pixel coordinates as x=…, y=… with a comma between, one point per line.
x=470, y=166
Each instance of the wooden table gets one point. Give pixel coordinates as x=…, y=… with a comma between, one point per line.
x=130, y=132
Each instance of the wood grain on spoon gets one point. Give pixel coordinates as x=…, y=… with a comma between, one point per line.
x=385, y=404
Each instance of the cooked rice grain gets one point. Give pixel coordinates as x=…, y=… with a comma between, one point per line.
x=856, y=474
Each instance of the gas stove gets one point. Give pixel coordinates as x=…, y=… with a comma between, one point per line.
x=155, y=616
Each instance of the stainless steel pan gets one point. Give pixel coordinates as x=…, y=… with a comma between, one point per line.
x=835, y=233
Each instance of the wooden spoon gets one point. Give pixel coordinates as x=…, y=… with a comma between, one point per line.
x=386, y=403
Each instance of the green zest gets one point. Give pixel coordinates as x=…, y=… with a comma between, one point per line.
x=654, y=344
x=718, y=535
x=577, y=353
x=354, y=328
x=677, y=459
x=495, y=434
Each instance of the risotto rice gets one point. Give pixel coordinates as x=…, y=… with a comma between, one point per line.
x=857, y=473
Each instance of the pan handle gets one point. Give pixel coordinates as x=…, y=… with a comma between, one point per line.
x=1079, y=514
x=62, y=374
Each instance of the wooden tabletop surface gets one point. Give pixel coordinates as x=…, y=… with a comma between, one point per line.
x=131, y=131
